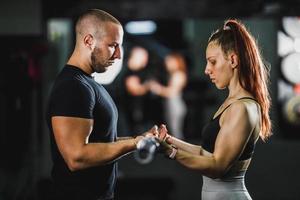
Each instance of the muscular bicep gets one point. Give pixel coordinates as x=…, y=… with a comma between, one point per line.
x=71, y=134
x=236, y=128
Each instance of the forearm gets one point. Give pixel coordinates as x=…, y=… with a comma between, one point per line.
x=208, y=166
x=180, y=144
x=141, y=90
x=124, y=138
x=94, y=154
x=166, y=92
x=138, y=89
x=174, y=87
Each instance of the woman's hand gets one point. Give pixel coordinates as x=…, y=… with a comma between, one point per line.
x=170, y=151
x=163, y=133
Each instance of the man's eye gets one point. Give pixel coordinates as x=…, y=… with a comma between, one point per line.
x=114, y=45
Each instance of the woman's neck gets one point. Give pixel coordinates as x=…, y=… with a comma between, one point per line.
x=236, y=90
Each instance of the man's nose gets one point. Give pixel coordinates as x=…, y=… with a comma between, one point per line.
x=117, y=53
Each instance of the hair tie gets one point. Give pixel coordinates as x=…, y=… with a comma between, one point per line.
x=226, y=27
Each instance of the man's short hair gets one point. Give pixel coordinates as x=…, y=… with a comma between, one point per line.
x=95, y=16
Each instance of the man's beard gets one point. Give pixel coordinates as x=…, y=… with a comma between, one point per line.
x=97, y=66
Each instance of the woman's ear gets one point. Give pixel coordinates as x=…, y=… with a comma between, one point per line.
x=234, y=61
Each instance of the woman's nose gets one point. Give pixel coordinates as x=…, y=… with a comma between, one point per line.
x=207, y=70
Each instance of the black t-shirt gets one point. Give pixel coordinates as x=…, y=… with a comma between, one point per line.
x=76, y=94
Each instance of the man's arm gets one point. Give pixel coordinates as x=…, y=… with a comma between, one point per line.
x=125, y=138
x=150, y=133
x=71, y=135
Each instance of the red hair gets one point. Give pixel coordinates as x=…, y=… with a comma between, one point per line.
x=179, y=60
x=253, y=73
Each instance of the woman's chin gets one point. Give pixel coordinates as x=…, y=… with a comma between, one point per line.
x=220, y=87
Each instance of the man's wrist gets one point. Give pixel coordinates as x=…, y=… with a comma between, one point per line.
x=136, y=139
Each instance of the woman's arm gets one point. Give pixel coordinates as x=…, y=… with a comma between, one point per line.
x=185, y=146
x=180, y=144
x=237, y=124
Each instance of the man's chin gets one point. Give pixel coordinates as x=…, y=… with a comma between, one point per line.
x=100, y=70
x=105, y=68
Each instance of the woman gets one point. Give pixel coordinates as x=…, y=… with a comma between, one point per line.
x=228, y=140
x=175, y=108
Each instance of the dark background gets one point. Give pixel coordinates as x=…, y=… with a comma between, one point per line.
x=31, y=55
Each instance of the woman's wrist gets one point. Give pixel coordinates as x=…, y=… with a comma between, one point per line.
x=173, y=153
x=167, y=139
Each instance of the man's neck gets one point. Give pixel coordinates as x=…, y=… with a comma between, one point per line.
x=77, y=62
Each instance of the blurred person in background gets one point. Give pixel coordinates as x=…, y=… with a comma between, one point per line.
x=136, y=87
x=140, y=104
x=174, y=105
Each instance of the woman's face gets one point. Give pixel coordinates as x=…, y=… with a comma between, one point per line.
x=218, y=67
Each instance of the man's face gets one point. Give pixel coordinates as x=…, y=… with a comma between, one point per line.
x=107, y=48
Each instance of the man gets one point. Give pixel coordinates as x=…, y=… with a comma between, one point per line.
x=82, y=117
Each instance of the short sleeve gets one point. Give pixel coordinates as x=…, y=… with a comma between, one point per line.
x=72, y=98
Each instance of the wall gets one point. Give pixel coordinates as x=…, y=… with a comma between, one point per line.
x=20, y=17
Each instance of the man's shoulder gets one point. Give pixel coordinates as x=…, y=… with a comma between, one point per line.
x=69, y=76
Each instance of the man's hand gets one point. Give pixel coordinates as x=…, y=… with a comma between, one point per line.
x=153, y=132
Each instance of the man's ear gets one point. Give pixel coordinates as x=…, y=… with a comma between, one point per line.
x=89, y=41
x=234, y=60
